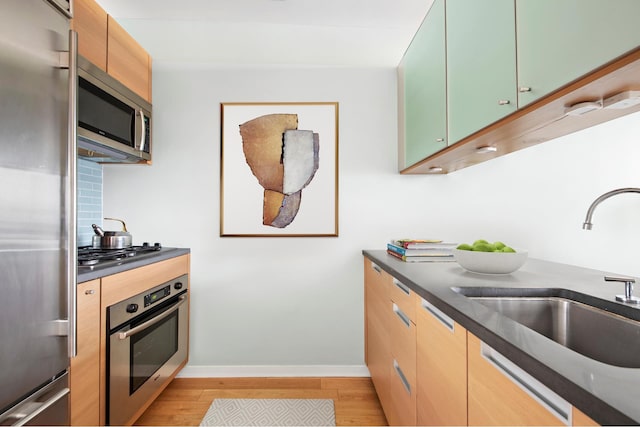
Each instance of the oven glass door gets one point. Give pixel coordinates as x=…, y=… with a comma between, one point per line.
x=151, y=349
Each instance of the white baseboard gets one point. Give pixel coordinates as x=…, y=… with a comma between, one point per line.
x=259, y=371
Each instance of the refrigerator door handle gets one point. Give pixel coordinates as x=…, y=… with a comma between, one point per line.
x=72, y=207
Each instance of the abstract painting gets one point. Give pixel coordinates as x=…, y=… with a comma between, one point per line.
x=279, y=169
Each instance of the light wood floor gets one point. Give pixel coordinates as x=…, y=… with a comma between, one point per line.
x=185, y=401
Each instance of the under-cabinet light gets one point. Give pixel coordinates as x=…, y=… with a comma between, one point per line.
x=435, y=169
x=582, y=108
x=622, y=100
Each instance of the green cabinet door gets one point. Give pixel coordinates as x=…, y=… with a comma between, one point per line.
x=561, y=40
x=481, y=64
x=423, y=73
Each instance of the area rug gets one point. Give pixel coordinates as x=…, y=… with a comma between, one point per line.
x=270, y=412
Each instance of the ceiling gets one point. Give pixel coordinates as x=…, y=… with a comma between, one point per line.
x=342, y=33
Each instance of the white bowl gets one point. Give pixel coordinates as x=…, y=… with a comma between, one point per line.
x=490, y=262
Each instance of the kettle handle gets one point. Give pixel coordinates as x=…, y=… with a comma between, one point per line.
x=124, y=226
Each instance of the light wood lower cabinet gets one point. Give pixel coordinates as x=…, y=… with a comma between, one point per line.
x=580, y=419
x=429, y=370
x=402, y=410
x=441, y=368
x=88, y=379
x=85, y=367
x=378, y=356
x=390, y=344
x=497, y=393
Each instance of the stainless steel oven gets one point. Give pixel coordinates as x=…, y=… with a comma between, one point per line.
x=148, y=343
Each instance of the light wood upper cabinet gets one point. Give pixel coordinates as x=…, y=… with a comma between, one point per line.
x=441, y=368
x=422, y=90
x=90, y=21
x=106, y=44
x=85, y=367
x=561, y=40
x=481, y=64
x=127, y=61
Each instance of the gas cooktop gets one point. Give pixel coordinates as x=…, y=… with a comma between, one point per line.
x=90, y=257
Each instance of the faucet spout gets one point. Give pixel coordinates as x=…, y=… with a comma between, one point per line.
x=587, y=221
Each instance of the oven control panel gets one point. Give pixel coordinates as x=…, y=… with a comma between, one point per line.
x=156, y=296
x=138, y=304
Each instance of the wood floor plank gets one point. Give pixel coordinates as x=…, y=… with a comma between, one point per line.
x=270, y=383
x=268, y=394
x=186, y=400
x=350, y=383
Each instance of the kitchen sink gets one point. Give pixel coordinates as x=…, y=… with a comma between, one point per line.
x=595, y=328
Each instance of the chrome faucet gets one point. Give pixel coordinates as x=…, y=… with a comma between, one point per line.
x=628, y=282
x=587, y=221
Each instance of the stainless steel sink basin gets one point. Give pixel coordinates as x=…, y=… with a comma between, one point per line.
x=592, y=327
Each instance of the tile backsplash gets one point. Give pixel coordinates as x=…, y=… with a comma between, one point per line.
x=89, y=199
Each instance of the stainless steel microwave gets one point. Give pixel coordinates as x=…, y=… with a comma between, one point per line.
x=114, y=123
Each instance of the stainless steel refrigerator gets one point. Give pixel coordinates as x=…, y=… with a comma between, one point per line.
x=37, y=225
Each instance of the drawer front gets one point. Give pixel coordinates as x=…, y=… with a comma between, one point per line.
x=441, y=368
x=377, y=280
x=402, y=333
x=404, y=297
x=403, y=397
x=500, y=393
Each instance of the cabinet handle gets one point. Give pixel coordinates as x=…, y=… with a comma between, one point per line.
x=89, y=292
x=504, y=102
x=439, y=139
x=534, y=388
x=403, y=379
x=523, y=89
x=401, y=315
x=376, y=268
x=404, y=288
x=439, y=315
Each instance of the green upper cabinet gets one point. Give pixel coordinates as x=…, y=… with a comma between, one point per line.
x=562, y=40
x=423, y=89
x=481, y=64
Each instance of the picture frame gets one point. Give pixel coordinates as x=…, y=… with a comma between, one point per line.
x=279, y=169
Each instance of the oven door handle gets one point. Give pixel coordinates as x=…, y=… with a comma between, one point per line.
x=156, y=319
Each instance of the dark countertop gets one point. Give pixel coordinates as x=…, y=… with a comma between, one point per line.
x=87, y=273
x=608, y=394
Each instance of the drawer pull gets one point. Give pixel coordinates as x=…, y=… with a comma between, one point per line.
x=534, y=388
x=439, y=315
x=376, y=267
x=404, y=288
x=403, y=379
x=402, y=316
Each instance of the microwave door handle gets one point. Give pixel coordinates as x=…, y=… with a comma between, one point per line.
x=143, y=134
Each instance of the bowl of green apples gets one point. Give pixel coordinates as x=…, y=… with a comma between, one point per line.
x=489, y=258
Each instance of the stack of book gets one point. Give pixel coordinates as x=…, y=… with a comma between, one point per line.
x=421, y=250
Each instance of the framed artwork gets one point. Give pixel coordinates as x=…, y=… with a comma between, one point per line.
x=279, y=169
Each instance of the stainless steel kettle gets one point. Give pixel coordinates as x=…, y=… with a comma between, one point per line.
x=111, y=239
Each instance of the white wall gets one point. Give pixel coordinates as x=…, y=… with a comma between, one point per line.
x=281, y=303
